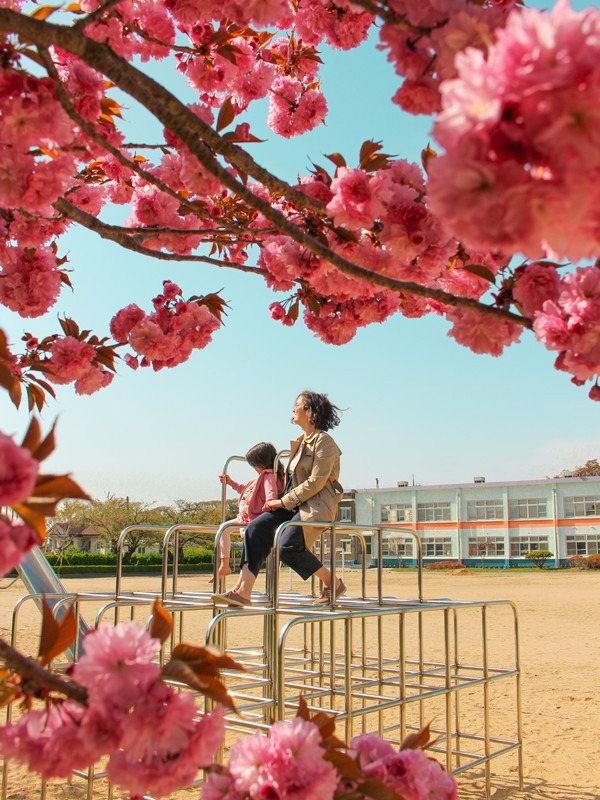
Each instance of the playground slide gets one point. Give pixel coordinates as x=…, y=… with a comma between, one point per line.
x=39, y=578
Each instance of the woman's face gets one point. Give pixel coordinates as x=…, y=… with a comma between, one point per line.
x=301, y=414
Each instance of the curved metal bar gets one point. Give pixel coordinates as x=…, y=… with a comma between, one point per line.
x=224, y=526
x=347, y=527
x=175, y=529
x=121, y=540
x=224, y=484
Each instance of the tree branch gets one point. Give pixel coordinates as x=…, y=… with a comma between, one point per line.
x=37, y=677
x=125, y=239
x=91, y=131
x=196, y=135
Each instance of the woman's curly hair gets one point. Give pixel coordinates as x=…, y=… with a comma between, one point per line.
x=323, y=414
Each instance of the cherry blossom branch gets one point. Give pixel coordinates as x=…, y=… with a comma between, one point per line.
x=96, y=14
x=91, y=131
x=198, y=137
x=389, y=16
x=123, y=237
x=37, y=677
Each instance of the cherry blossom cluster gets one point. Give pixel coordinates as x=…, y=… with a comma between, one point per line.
x=168, y=335
x=424, y=38
x=381, y=220
x=153, y=735
x=290, y=764
x=516, y=92
x=18, y=474
x=76, y=357
x=521, y=138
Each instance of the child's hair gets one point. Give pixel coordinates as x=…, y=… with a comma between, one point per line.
x=262, y=456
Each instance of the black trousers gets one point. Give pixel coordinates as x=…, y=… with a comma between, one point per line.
x=258, y=543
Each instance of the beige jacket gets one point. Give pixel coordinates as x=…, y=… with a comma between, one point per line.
x=315, y=463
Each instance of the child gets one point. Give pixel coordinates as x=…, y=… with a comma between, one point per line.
x=253, y=495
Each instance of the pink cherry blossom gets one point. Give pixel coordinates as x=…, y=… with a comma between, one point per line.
x=353, y=203
x=18, y=472
x=344, y=29
x=288, y=765
x=409, y=773
x=118, y=663
x=70, y=359
x=482, y=333
x=164, y=744
x=520, y=128
x=536, y=283
x=93, y=380
x=335, y=324
x=15, y=542
x=124, y=321
x=418, y=96
x=29, y=281
x=294, y=109
x=258, y=12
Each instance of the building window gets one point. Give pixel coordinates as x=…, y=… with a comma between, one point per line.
x=397, y=547
x=485, y=509
x=398, y=512
x=433, y=512
x=345, y=514
x=527, y=508
x=437, y=546
x=588, y=506
x=583, y=544
x=480, y=546
x=521, y=545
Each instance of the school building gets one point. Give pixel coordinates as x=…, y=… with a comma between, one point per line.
x=494, y=524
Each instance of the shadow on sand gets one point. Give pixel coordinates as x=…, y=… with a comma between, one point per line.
x=503, y=788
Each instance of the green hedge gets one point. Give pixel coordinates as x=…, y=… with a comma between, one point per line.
x=77, y=558
x=128, y=569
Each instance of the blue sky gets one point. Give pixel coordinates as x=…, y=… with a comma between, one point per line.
x=419, y=406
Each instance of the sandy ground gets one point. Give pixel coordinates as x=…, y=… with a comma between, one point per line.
x=557, y=614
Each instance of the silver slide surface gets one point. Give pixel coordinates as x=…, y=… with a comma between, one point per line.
x=39, y=578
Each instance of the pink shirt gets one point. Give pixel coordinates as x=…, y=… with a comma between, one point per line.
x=255, y=493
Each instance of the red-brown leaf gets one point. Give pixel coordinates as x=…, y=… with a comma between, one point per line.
x=56, y=635
x=226, y=114
x=33, y=436
x=415, y=741
x=162, y=622
x=208, y=685
x=377, y=790
x=46, y=446
x=33, y=517
x=344, y=764
x=337, y=159
x=57, y=487
x=43, y=12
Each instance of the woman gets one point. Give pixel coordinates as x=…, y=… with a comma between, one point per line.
x=312, y=493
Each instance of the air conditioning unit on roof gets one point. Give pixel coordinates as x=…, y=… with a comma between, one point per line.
x=402, y=484
x=479, y=479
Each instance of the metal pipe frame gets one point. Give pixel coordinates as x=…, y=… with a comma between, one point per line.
x=324, y=655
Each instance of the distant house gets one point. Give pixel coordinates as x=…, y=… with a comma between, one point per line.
x=82, y=537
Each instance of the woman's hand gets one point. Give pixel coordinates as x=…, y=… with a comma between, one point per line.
x=272, y=505
x=226, y=479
